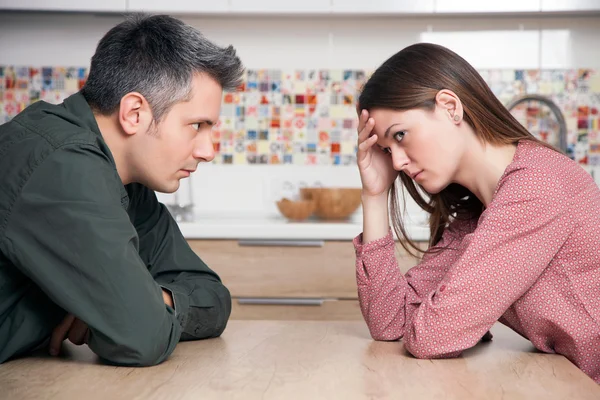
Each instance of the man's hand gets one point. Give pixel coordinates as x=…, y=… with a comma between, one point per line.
x=78, y=332
x=70, y=328
x=167, y=298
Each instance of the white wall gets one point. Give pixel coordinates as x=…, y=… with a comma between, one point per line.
x=325, y=42
x=312, y=42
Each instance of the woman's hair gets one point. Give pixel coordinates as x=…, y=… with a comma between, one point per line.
x=411, y=79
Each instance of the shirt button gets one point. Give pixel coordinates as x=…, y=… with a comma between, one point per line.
x=442, y=288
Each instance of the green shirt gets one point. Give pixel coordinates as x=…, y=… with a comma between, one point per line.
x=74, y=240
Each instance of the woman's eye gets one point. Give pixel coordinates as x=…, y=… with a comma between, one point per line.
x=398, y=136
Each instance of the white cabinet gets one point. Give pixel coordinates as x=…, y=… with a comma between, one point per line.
x=570, y=5
x=383, y=6
x=479, y=6
x=179, y=6
x=281, y=6
x=322, y=7
x=65, y=5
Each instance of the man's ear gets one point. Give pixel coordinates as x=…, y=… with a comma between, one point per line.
x=449, y=102
x=135, y=114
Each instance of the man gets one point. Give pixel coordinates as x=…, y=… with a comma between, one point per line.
x=86, y=251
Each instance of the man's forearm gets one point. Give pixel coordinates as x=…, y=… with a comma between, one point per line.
x=202, y=306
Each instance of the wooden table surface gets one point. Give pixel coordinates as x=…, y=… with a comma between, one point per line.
x=303, y=360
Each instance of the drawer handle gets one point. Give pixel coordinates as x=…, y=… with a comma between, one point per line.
x=280, y=301
x=286, y=243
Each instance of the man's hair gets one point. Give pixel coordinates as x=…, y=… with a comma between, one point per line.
x=156, y=56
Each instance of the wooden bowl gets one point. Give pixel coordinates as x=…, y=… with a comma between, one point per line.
x=296, y=210
x=333, y=203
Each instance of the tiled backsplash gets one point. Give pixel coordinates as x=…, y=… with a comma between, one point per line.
x=308, y=117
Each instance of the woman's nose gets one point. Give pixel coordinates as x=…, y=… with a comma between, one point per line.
x=399, y=159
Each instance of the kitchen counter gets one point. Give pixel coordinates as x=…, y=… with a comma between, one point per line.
x=279, y=228
x=303, y=360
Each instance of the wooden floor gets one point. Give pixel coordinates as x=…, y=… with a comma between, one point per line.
x=303, y=360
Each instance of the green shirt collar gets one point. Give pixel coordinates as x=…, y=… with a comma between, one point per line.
x=77, y=105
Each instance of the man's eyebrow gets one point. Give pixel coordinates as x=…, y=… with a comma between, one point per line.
x=203, y=119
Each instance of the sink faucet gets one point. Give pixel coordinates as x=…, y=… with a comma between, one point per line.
x=562, y=126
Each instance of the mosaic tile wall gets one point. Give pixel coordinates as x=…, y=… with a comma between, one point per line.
x=308, y=117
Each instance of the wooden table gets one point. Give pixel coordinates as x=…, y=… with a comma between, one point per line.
x=303, y=360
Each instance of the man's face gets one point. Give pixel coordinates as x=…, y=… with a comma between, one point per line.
x=182, y=139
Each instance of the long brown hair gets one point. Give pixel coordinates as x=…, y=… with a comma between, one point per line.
x=411, y=79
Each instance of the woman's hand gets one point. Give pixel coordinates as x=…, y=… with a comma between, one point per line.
x=377, y=173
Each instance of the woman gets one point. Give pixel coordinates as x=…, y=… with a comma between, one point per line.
x=515, y=224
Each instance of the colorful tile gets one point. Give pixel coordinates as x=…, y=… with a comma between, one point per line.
x=308, y=117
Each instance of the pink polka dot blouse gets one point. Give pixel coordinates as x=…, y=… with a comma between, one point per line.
x=531, y=261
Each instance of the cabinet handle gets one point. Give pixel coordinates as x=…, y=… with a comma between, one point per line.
x=290, y=243
x=280, y=301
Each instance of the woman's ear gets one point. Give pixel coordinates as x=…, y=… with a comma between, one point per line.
x=134, y=113
x=450, y=104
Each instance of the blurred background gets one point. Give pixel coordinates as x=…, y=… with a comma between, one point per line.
x=292, y=124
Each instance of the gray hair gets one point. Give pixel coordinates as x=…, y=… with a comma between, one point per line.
x=156, y=56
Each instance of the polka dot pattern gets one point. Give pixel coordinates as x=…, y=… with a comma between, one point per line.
x=531, y=261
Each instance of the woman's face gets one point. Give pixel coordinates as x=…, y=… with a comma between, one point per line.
x=426, y=145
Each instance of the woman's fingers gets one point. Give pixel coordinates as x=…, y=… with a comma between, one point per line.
x=364, y=147
x=366, y=131
x=367, y=144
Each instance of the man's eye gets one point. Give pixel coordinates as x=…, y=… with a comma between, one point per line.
x=197, y=125
x=398, y=136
